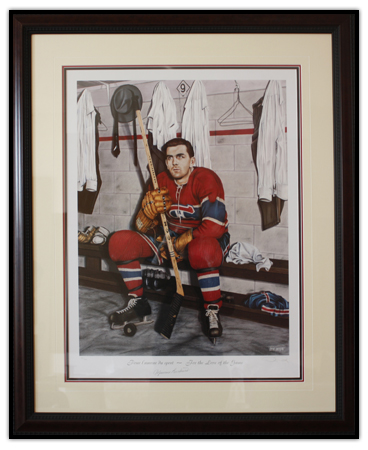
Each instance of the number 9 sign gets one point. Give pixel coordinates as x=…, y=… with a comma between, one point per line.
x=183, y=88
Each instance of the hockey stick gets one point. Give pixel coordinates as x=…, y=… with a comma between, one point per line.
x=168, y=326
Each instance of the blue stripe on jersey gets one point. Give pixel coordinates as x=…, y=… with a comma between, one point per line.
x=216, y=210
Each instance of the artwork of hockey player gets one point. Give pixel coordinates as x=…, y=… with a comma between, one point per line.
x=193, y=200
x=221, y=161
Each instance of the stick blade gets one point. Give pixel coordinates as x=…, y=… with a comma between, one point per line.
x=169, y=323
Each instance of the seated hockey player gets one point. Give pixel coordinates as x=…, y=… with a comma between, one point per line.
x=193, y=200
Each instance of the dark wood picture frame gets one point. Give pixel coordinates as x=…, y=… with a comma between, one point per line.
x=342, y=26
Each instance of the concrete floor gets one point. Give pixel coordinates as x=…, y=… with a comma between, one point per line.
x=240, y=337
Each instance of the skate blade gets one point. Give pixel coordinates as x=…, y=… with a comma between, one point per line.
x=144, y=322
x=113, y=326
x=213, y=340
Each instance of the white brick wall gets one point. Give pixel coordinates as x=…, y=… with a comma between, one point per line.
x=237, y=184
x=231, y=157
x=243, y=158
x=273, y=240
x=223, y=158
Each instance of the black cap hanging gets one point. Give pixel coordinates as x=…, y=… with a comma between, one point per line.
x=124, y=103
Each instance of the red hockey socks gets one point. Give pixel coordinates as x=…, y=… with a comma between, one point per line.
x=132, y=276
x=209, y=283
x=125, y=248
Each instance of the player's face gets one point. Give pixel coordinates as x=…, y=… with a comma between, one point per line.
x=179, y=163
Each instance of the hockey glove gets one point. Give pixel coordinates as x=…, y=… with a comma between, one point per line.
x=179, y=243
x=143, y=223
x=156, y=202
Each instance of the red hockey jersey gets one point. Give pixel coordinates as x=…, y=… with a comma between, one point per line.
x=199, y=204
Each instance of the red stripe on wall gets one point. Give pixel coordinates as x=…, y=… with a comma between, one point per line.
x=231, y=132
x=212, y=133
x=121, y=138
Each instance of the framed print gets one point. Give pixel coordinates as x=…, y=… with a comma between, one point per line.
x=188, y=353
x=184, y=207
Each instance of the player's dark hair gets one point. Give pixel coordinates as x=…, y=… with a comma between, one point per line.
x=179, y=141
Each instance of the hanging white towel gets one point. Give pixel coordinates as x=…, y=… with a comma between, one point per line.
x=162, y=122
x=244, y=253
x=86, y=148
x=195, y=126
x=271, y=148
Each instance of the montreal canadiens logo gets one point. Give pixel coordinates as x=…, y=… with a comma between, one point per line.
x=181, y=211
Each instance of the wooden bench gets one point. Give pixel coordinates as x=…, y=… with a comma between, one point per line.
x=92, y=275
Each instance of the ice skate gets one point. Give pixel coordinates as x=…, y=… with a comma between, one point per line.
x=213, y=324
x=133, y=315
